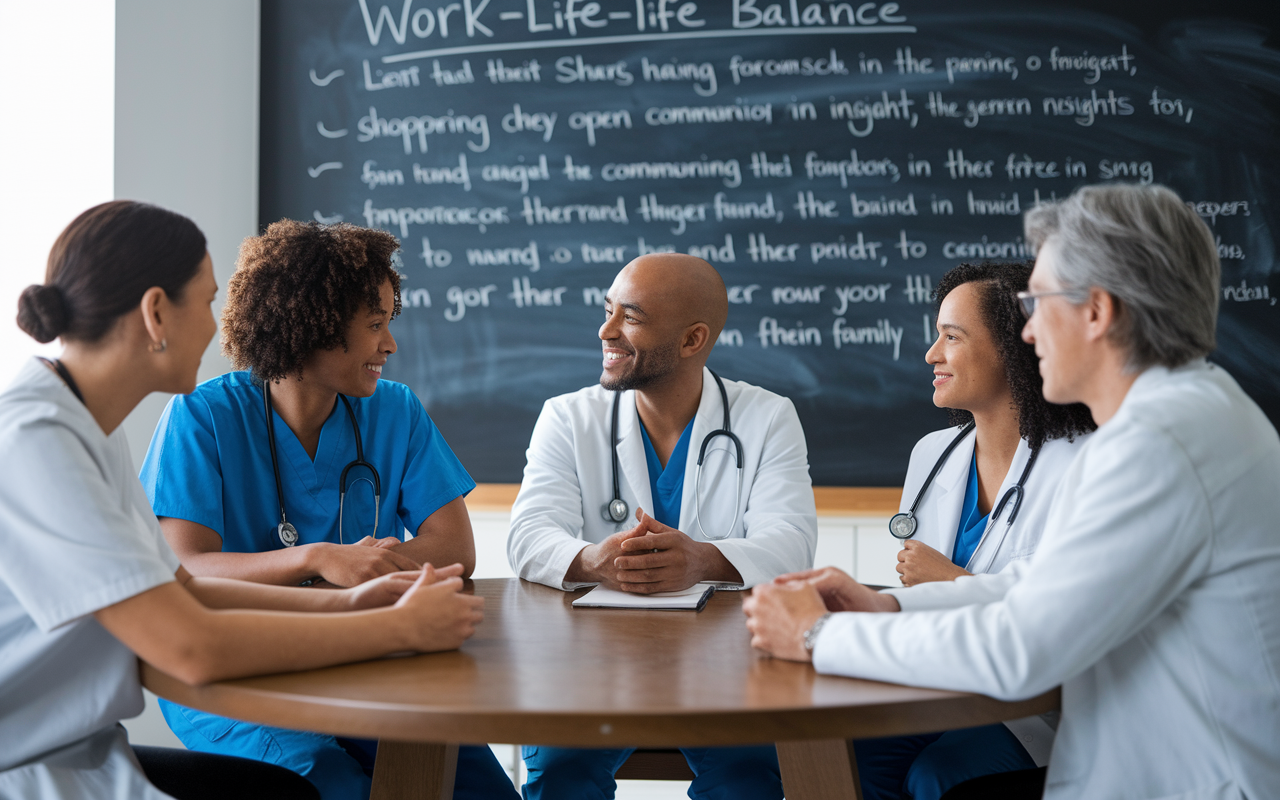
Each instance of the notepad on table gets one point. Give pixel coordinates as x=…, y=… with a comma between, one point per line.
x=691, y=599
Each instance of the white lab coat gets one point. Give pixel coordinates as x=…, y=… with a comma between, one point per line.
x=938, y=520
x=938, y=515
x=78, y=536
x=568, y=481
x=1154, y=599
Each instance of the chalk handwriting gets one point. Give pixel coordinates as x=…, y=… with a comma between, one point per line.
x=526, y=295
x=1092, y=66
x=869, y=112
x=591, y=121
x=852, y=167
x=538, y=122
x=982, y=248
x=984, y=65
x=572, y=69
x=535, y=213
x=715, y=254
x=375, y=127
x=760, y=250
x=802, y=67
x=727, y=170
x=696, y=115
x=771, y=335
x=880, y=333
x=868, y=293
x=470, y=297
x=433, y=215
x=859, y=250
x=1211, y=210
x=499, y=72
x=1086, y=110
x=517, y=173
x=688, y=72
x=506, y=257
x=458, y=175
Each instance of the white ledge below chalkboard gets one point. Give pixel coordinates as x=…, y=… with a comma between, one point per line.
x=832, y=501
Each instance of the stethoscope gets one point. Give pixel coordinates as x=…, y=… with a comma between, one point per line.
x=617, y=509
x=285, y=530
x=903, y=525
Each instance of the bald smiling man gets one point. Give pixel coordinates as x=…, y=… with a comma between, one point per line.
x=663, y=315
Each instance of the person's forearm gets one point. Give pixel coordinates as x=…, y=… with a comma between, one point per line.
x=441, y=549
x=716, y=567
x=220, y=593
x=287, y=567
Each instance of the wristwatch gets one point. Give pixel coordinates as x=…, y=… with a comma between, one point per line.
x=811, y=635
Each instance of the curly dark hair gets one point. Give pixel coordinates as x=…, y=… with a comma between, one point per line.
x=998, y=283
x=296, y=289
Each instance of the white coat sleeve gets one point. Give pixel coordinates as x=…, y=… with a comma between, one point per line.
x=1122, y=544
x=780, y=522
x=546, y=519
x=987, y=587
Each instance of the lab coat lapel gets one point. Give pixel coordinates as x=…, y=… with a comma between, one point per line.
x=950, y=487
x=708, y=418
x=984, y=554
x=631, y=458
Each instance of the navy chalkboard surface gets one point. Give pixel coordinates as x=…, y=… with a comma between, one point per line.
x=831, y=159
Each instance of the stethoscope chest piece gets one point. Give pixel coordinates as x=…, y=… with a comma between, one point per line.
x=903, y=526
x=617, y=510
x=288, y=534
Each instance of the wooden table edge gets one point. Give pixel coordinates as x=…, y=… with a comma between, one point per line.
x=577, y=729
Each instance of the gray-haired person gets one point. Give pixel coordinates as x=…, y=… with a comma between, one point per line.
x=1154, y=597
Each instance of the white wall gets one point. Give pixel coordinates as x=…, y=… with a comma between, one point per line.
x=58, y=68
x=186, y=133
x=186, y=138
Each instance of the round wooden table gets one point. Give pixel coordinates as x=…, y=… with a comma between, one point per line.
x=541, y=672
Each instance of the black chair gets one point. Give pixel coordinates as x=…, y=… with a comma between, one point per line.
x=655, y=765
x=1022, y=784
x=188, y=775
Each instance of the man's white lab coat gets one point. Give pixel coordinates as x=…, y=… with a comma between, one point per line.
x=568, y=481
x=1153, y=598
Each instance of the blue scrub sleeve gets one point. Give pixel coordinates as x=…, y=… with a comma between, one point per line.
x=182, y=473
x=433, y=476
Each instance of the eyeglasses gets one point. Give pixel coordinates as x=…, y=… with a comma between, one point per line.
x=1028, y=300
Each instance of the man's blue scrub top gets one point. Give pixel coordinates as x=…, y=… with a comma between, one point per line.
x=209, y=463
x=667, y=485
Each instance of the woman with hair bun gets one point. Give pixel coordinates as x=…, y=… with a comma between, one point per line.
x=88, y=584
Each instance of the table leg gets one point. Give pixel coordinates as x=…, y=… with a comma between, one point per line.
x=821, y=770
x=414, y=771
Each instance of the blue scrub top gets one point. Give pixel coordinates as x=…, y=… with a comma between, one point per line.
x=667, y=485
x=972, y=524
x=209, y=463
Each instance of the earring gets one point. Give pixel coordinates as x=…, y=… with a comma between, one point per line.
x=159, y=348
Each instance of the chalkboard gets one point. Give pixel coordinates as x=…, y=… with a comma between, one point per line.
x=831, y=159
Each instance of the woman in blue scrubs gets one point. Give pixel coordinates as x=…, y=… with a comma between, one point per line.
x=1004, y=434
x=307, y=322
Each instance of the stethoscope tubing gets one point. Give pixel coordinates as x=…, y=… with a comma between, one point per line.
x=617, y=509
x=903, y=525
x=287, y=533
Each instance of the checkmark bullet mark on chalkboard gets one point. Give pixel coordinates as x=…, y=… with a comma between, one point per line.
x=315, y=171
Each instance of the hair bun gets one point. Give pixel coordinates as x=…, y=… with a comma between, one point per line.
x=42, y=312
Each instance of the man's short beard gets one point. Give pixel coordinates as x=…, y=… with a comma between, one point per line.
x=649, y=368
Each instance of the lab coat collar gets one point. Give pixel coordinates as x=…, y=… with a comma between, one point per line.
x=993, y=537
x=710, y=417
x=631, y=458
x=952, y=479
